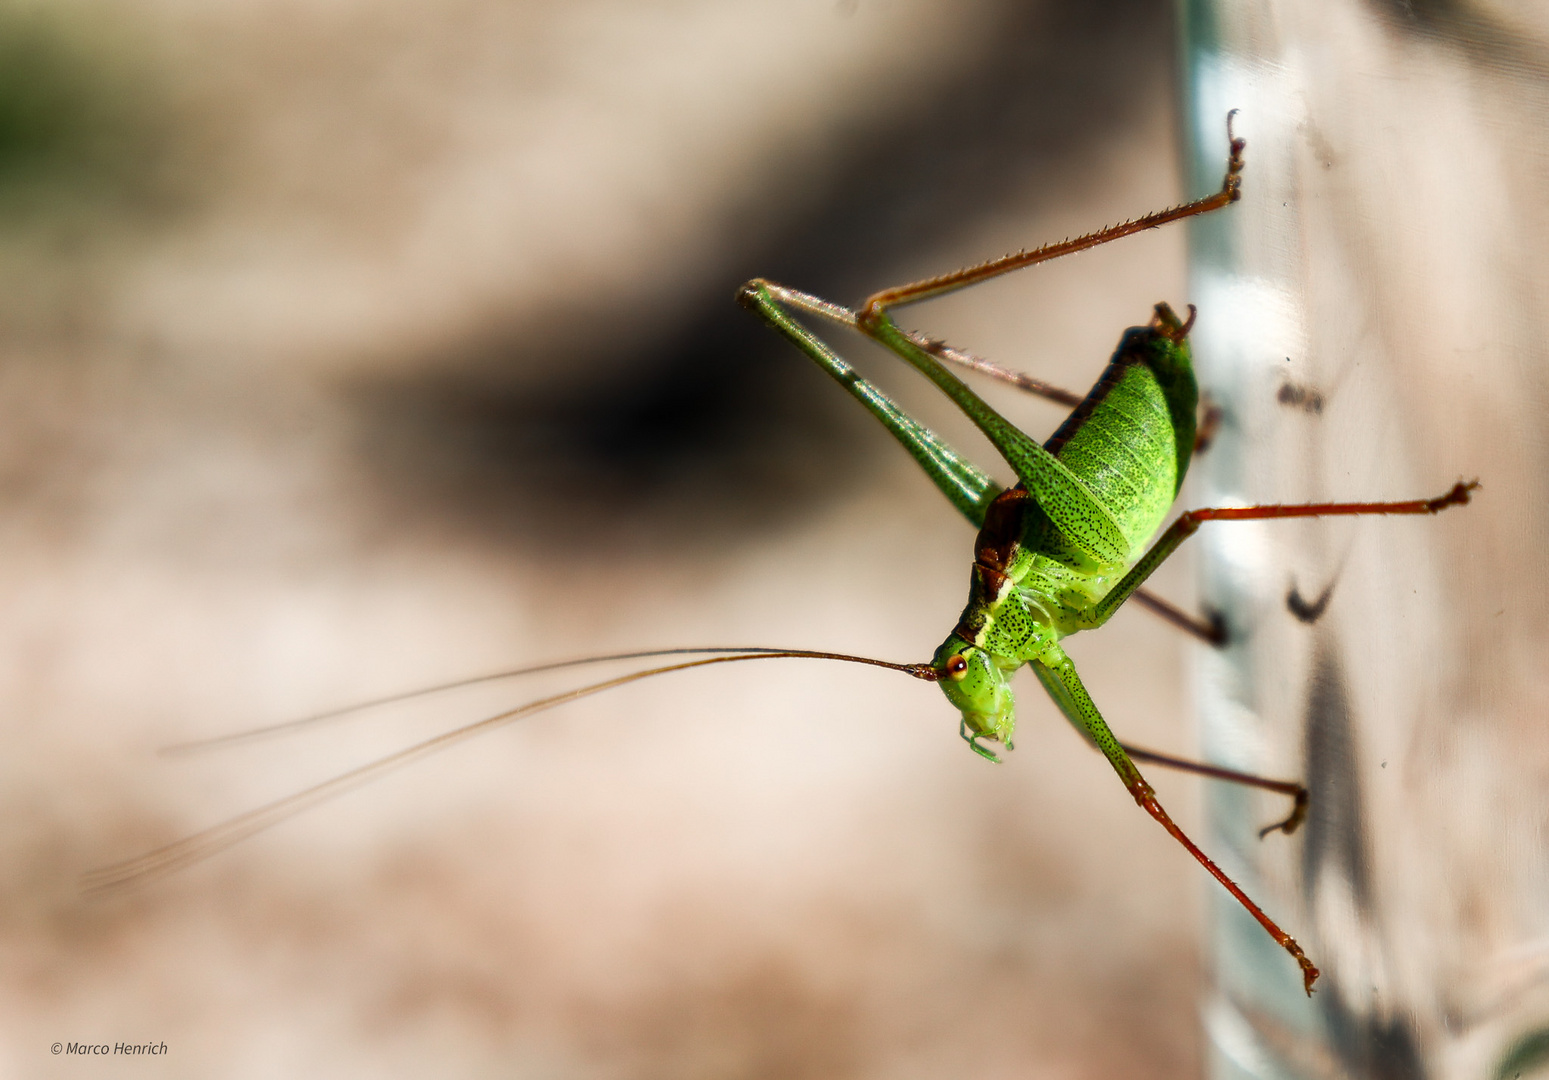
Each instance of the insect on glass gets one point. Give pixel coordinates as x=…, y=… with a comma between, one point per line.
x=1056, y=554
x=1062, y=550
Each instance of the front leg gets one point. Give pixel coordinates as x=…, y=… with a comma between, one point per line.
x=1055, y=670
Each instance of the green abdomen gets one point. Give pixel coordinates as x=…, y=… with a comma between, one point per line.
x=1127, y=441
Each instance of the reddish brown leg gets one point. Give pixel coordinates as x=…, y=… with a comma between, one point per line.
x=1188, y=524
x=1296, y=791
x=1458, y=496
x=942, y=351
x=872, y=312
x=1058, y=674
x=1147, y=799
x=1211, y=630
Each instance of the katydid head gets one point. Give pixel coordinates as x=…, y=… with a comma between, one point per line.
x=976, y=686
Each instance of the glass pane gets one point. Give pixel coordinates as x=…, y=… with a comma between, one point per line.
x=1372, y=321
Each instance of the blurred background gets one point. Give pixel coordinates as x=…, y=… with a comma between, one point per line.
x=349, y=348
x=353, y=347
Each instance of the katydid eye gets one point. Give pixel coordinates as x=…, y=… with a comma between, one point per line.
x=957, y=667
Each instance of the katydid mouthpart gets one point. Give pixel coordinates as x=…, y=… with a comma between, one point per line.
x=1056, y=554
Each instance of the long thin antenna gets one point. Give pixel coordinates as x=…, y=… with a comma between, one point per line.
x=214, y=742
x=201, y=845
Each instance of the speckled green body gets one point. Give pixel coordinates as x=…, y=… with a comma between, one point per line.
x=1058, y=552
x=1129, y=444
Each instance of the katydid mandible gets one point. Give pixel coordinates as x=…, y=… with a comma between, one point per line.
x=1056, y=554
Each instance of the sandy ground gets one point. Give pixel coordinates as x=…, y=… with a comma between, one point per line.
x=353, y=347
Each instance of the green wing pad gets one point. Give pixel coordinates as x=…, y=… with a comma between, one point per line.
x=1064, y=498
x=1129, y=441
x=1072, y=507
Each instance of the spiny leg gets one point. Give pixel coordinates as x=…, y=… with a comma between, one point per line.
x=1056, y=668
x=1022, y=381
x=963, y=483
x=842, y=315
x=1188, y=524
x=872, y=312
x=1147, y=800
x=1070, y=505
x=1296, y=791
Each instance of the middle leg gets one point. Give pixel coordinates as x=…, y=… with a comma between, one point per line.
x=1188, y=524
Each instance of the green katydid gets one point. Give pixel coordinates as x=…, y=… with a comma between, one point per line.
x=1056, y=554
